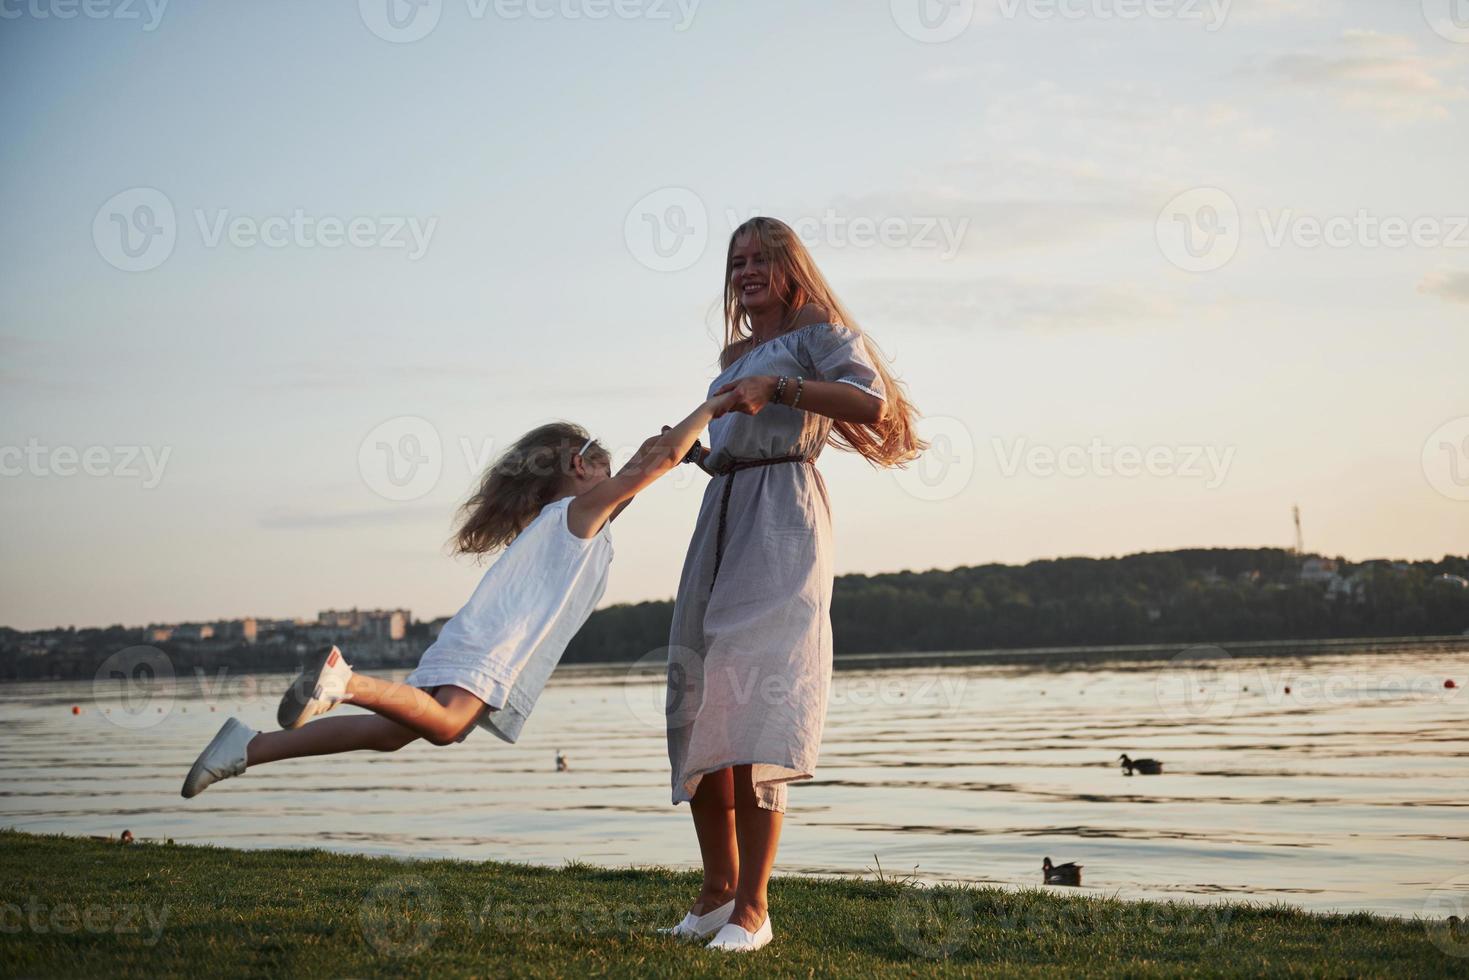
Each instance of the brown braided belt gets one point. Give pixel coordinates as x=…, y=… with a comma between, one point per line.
x=728, y=474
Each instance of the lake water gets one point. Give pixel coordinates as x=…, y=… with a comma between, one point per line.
x=1348, y=792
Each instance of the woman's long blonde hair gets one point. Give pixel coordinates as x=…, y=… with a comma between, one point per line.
x=795, y=278
x=522, y=480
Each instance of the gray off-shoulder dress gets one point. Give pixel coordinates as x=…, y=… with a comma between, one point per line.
x=749, y=662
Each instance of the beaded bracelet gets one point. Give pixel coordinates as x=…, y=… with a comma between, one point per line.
x=780, y=388
x=800, y=384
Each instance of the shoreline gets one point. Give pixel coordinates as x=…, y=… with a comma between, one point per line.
x=1096, y=655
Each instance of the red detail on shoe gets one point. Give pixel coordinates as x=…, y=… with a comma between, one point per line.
x=332, y=660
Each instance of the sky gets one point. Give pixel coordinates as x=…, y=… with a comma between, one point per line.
x=279, y=279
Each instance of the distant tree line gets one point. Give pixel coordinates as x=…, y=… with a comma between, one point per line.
x=1191, y=596
x=1184, y=597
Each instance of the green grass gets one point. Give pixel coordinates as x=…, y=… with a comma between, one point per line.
x=86, y=908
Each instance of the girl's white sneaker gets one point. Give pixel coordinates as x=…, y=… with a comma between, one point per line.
x=319, y=688
x=733, y=939
x=222, y=758
x=702, y=926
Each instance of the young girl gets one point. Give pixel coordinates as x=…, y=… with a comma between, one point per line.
x=547, y=502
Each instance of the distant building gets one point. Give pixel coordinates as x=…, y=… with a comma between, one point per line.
x=193, y=631
x=245, y=630
x=1321, y=570
x=384, y=624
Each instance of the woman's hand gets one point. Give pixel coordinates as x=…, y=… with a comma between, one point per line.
x=749, y=395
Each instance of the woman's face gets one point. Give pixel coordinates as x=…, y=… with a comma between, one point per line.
x=751, y=276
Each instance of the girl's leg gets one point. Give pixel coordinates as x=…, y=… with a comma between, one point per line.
x=327, y=736
x=442, y=717
x=713, y=809
x=758, y=832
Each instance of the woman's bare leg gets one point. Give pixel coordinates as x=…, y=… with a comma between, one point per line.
x=758, y=832
x=713, y=809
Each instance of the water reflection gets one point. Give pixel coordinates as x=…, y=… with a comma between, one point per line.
x=1330, y=782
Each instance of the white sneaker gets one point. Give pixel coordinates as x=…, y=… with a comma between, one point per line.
x=733, y=939
x=319, y=688
x=222, y=758
x=701, y=926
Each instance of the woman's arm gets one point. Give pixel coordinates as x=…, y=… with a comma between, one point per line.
x=657, y=455
x=834, y=399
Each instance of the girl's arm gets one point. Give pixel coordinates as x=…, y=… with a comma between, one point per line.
x=834, y=399
x=659, y=454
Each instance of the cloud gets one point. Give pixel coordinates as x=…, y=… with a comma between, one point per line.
x=1450, y=286
x=1382, y=73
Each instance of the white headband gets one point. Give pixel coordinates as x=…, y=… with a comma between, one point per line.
x=584, y=447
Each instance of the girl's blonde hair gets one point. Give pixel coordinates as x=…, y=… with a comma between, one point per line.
x=795, y=278
x=522, y=480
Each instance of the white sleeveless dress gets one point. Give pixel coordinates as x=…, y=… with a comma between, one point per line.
x=510, y=635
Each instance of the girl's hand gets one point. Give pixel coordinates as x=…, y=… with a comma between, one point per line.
x=721, y=403
x=749, y=395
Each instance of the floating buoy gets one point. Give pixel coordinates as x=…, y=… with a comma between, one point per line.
x=76, y=709
x=1450, y=684
x=1287, y=689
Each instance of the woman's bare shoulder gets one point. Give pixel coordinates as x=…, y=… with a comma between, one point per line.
x=811, y=314
x=734, y=352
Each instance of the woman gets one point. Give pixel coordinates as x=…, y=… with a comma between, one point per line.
x=750, y=647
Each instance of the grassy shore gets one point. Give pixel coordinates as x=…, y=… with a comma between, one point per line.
x=88, y=908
